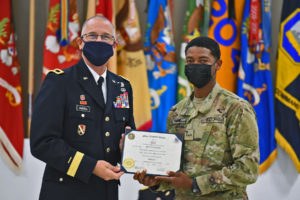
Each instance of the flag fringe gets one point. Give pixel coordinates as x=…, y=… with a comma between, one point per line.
x=9, y=153
x=268, y=162
x=288, y=148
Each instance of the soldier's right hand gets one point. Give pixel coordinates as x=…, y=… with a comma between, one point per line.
x=107, y=171
x=145, y=179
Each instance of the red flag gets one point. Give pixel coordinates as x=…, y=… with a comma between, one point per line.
x=105, y=8
x=11, y=117
x=57, y=52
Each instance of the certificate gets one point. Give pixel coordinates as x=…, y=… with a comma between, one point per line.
x=156, y=152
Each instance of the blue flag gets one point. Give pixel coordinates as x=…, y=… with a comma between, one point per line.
x=255, y=85
x=161, y=66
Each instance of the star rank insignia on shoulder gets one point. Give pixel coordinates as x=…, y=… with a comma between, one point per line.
x=57, y=71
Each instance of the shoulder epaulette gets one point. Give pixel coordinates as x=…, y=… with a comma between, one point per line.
x=144, y=188
x=124, y=78
x=57, y=71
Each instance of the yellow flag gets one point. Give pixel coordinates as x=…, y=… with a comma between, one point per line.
x=131, y=61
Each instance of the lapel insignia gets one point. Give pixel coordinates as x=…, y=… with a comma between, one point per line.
x=113, y=81
x=121, y=84
x=81, y=129
x=122, y=101
x=85, y=78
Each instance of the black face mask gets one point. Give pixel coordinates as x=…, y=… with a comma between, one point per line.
x=198, y=74
x=97, y=53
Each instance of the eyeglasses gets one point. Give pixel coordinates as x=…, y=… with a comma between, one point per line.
x=94, y=37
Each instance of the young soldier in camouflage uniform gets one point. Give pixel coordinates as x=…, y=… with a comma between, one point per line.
x=221, y=154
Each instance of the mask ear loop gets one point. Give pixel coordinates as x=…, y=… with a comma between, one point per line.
x=214, y=64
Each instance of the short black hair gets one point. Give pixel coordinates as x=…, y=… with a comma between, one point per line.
x=205, y=42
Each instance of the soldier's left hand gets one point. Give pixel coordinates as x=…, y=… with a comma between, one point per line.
x=178, y=180
x=122, y=139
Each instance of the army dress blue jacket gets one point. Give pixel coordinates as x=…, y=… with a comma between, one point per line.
x=71, y=130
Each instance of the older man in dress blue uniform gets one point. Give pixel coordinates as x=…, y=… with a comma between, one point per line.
x=79, y=116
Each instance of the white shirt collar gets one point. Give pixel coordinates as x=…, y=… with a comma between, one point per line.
x=96, y=77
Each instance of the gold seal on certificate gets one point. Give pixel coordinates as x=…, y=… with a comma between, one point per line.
x=131, y=136
x=156, y=152
x=128, y=163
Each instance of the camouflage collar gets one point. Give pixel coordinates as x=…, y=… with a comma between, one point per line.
x=189, y=108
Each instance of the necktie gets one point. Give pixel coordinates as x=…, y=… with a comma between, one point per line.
x=100, y=81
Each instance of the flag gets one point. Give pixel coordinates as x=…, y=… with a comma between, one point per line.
x=287, y=92
x=226, y=18
x=160, y=56
x=131, y=61
x=11, y=118
x=105, y=8
x=196, y=24
x=255, y=82
x=60, y=46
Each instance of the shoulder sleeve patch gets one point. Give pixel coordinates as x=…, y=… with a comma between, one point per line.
x=57, y=71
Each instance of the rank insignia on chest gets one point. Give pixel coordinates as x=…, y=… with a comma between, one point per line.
x=81, y=129
x=122, y=101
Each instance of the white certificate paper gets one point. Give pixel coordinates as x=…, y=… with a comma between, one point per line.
x=156, y=152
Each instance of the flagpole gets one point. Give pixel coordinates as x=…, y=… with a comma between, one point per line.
x=91, y=9
x=30, y=63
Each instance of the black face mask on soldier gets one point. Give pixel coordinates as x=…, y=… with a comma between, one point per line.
x=97, y=52
x=198, y=74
